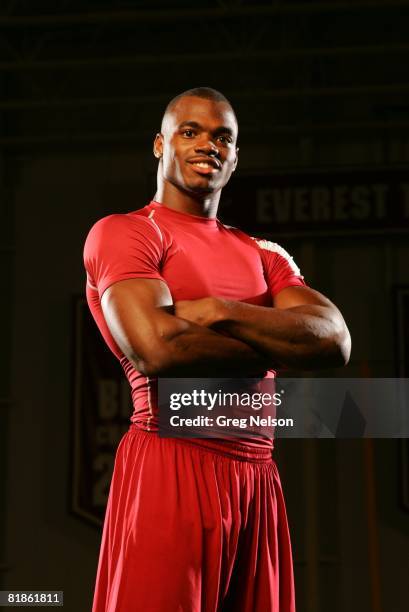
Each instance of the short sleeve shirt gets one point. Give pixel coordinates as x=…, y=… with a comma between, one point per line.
x=195, y=256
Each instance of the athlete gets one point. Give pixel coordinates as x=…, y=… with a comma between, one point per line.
x=198, y=525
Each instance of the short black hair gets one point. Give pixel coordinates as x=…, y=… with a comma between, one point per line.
x=208, y=93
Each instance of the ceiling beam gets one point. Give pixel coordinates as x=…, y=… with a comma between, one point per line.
x=144, y=16
x=233, y=56
x=236, y=95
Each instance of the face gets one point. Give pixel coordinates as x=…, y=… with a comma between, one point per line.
x=197, y=145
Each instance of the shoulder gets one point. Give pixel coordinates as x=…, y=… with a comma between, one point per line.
x=121, y=237
x=121, y=221
x=276, y=257
x=271, y=252
x=119, y=227
x=271, y=249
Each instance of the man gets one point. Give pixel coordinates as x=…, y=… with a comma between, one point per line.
x=198, y=525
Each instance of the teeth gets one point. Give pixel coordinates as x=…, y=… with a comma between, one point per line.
x=203, y=165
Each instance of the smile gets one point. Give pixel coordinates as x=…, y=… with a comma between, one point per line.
x=203, y=167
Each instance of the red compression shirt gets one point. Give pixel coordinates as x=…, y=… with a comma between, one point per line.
x=195, y=256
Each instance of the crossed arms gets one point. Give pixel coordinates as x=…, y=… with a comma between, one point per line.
x=216, y=337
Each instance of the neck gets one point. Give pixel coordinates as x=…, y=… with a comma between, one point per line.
x=201, y=205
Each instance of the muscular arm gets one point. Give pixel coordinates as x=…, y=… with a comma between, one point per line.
x=159, y=343
x=304, y=330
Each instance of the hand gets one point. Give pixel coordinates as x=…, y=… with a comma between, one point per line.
x=205, y=312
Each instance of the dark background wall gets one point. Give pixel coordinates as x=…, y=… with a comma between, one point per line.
x=317, y=86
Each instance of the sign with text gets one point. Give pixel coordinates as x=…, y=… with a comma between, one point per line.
x=319, y=203
x=102, y=408
x=402, y=328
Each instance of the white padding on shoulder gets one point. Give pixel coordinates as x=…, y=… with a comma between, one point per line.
x=267, y=245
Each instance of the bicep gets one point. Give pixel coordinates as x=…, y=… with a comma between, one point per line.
x=133, y=310
x=331, y=324
x=291, y=297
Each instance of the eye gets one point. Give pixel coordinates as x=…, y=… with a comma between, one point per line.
x=225, y=139
x=188, y=133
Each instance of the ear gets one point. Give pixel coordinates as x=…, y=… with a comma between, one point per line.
x=158, y=146
x=237, y=159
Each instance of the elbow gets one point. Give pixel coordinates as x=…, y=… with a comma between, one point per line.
x=163, y=355
x=338, y=342
x=328, y=347
x=147, y=368
x=340, y=347
x=153, y=364
x=345, y=348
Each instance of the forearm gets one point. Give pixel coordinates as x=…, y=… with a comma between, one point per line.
x=158, y=342
x=189, y=350
x=303, y=337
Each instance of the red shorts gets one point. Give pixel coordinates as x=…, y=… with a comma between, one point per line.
x=194, y=527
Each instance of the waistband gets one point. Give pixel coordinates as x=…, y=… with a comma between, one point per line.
x=226, y=448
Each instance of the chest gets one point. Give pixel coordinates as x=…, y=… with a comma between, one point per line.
x=199, y=264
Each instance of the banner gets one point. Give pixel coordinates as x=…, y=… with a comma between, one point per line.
x=319, y=203
x=102, y=409
x=402, y=311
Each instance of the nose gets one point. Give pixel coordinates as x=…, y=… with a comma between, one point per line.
x=206, y=145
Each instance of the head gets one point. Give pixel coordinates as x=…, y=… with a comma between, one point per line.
x=197, y=145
